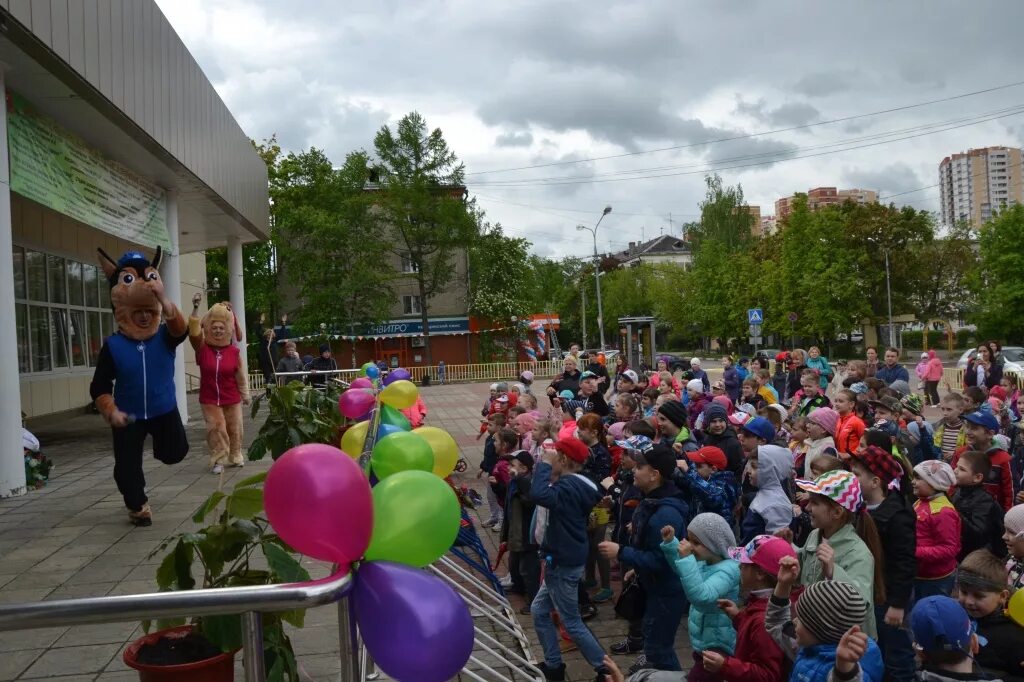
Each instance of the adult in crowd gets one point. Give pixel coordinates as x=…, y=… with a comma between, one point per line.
x=797, y=364
x=568, y=380
x=596, y=365
x=322, y=363
x=267, y=352
x=731, y=377
x=984, y=369
x=699, y=373
x=662, y=505
x=819, y=363
x=892, y=370
x=621, y=366
x=870, y=361
x=932, y=377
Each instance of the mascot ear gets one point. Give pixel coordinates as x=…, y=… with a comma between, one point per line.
x=107, y=263
x=157, y=258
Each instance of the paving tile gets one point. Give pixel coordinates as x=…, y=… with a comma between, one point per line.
x=35, y=579
x=107, y=633
x=14, y=663
x=72, y=660
x=19, y=640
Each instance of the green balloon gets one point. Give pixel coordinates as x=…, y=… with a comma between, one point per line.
x=401, y=451
x=362, y=370
x=416, y=517
x=394, y=417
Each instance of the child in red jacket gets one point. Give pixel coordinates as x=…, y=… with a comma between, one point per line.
x=981, y=430
x=757, y=658
x=938, y=529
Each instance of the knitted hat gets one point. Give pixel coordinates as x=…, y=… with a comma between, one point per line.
x=325, y=348
x=694, y=362
x=574, y=449
x=880, y=463
x=615, y=430
x=526, y=377
x=1014, y=520
x=781, y=409
x=695, y=385
x=997, y=392
x=829, y=608
x=826, y=418
x=936, y=473
x=714, y=532
x=764, y=551
x=912, y=403
x=761, y=428
x=714, y=411
x=527, y=420
x=673, y=411
x=924, y=356
x=709, y=454
x=494, y=387
x=840, y=486
x=502, y=386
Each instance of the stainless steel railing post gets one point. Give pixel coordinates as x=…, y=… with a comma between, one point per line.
x=252, y=646
x=348, y=647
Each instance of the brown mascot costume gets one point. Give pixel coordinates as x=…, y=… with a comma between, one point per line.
x=133, y=385
x=223, y=385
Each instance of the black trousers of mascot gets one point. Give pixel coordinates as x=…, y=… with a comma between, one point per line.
x=170, y=445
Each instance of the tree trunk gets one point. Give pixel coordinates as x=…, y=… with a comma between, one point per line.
x=424, y=313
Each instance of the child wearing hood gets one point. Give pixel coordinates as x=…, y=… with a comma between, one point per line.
x=771, y=509
x=704, y=567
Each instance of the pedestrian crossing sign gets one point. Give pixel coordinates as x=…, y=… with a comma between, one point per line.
x=755, y=316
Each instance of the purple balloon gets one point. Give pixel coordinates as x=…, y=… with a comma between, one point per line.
x=398, y=374
x=361, y=382
x=413, y=624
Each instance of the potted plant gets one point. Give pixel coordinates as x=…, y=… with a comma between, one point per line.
x=225, y=550
x=298, y=414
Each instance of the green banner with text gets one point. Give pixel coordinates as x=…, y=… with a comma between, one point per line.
x=55, y=168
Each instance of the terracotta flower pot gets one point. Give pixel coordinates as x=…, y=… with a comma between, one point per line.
x=220, y=668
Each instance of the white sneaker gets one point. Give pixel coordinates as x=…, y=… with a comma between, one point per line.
x=506, y=581
x=217, y=469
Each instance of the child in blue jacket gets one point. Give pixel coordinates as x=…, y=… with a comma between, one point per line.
x=707, y=574
x=708, y=482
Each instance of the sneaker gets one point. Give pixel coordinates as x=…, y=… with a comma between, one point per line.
x=587, y=612
x=141, y=518
x=627, y=646
x=639, y=664
x=525, y=611
x=603, y=595
x=217, y=469
x=557, y=674
x=506, y=581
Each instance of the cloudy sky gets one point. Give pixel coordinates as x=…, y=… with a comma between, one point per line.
x=614, y=102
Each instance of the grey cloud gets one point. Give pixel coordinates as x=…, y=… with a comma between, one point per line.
x=824, y=83
x=892, y=179
x=522, y=138
x=785, y=115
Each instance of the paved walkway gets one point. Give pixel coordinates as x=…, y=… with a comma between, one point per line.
x=71, y=539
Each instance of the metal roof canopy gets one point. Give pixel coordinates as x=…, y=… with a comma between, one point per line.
x=55, y=90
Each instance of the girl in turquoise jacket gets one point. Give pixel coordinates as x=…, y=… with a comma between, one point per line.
x=708, y=574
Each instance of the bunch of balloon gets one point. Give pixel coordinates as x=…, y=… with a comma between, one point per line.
x=320, y=502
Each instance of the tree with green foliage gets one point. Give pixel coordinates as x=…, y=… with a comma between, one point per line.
x=997, y=282
x=499, y=271
x=941, y=270
x=420, y=212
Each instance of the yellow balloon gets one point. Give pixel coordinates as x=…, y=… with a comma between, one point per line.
x=1016, y=608
x=400, y=394
x=353, y=438
x=446, y=452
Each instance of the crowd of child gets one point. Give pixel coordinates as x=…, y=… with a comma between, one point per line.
x=803, y=536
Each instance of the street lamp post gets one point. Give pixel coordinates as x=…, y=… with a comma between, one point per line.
x=597, y=274
x=888, y=295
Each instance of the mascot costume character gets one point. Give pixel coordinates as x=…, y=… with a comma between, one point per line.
x=133, y=386
x=223, y=385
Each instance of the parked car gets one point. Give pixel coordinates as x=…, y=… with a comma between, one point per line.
x=769, y=353
x=1013, y=358
x=675, y=362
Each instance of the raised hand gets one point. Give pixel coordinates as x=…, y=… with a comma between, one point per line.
x=667, y=533
x=851, y=649
x=728, y=607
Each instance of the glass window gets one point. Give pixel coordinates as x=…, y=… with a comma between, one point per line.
x=91, y=277
x=104, y=292
x=39, y=328
x=78, y=338
x=95, y=337
x=75, y=283
x=19, y=272
x=23, y=348
x=35, y=263
x=59, y=336
x=55, y=275
x=109, y=326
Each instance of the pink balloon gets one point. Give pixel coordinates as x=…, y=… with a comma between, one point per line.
x=356, y=402
x=361, y=382
x=318, y=500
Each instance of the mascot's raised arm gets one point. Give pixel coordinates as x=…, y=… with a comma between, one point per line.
x=223, y=385
x=133, y=385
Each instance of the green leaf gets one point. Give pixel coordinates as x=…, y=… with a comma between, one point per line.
x=245, y=503
x=208, y=506
x=296, y=618
x=275, y=673
x=183, y=557
x=255, y=479
x=166, y=573
x=225, y=632
x=283, y=565
x=296, y=436
x=255, y=406
x=165, y=623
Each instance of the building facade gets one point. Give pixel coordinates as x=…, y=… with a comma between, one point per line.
x=979, y=182
x=664, y=249
x=111, y=138
x=819, y=197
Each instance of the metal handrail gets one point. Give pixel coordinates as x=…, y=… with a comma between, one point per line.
x=246, y=600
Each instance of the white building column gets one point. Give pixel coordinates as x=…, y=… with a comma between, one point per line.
x=12, y=454
x=236, y=293
x=172, y=286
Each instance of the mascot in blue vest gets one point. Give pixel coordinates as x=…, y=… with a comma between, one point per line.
x=133, y=386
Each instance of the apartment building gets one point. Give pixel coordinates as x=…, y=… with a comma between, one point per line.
x=979, y=182
x=819, y=197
